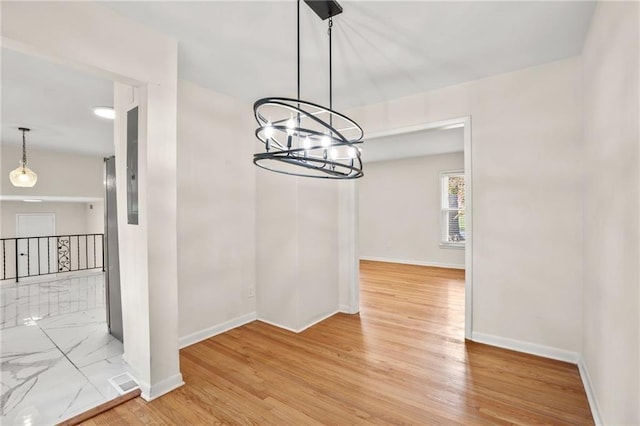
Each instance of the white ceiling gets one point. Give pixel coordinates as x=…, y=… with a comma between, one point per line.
x=56, y=102
x=382, y=50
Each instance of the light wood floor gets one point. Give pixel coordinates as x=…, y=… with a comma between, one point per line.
x=403, y=360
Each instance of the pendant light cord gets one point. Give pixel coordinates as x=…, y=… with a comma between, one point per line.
x=24, y=149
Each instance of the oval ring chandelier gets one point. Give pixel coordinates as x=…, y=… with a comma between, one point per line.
x=302, y=138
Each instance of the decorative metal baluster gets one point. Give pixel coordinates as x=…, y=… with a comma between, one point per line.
x=16, y=256
x=64, y=257
x=64, y=253
x=103, y=249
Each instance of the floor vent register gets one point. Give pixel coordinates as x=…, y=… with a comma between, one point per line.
x=124, y=383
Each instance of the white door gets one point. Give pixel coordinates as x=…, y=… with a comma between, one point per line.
x=36, y=255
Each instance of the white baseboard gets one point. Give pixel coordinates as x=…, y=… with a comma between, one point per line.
x=346, y=309
x=301, y=329
x=314, y=322
x=526, y=347
x=413, y=262
x=150, y=393
x=201, y=335
x=275, y=324
x=591, y=396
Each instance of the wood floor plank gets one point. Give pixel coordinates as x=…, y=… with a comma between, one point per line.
x=402, y=360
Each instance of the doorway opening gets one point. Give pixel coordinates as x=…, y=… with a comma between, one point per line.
x=31, y=257
x=53, y=285
x=414, y=208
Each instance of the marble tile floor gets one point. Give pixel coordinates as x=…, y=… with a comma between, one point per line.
x=55, y=362
x=26, y=302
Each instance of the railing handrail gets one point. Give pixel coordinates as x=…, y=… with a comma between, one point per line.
x=49, y=236
x=60, y=253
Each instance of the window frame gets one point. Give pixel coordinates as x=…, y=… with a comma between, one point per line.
x=445, y=209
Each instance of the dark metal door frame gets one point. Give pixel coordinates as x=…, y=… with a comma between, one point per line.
x=112, y=273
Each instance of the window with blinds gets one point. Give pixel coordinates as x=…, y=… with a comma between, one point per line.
x=453, y=209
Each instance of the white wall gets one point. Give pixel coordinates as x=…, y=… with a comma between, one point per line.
x=71, y=218
x=216, y=212
x=349, y=246
x=59, y=173
x=235, y=219
x=527, y=192
x=297, y=256
x=611, y=328
x=318, y=255
x=400, y=211
x=95, y=38
x=94, y=217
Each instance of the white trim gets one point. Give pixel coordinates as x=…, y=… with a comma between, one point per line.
x=442, y=124
x=349, y=268
x=591, y=395
x=413, y=262
x=209, y=332
x=322, y=318
x=354, y=249
x=346, y=309
x=450, y=245
x=301, y=329
x=49, y=198
x=275, y=324
x=468, y=253
x=527, y=347
x=149, y=393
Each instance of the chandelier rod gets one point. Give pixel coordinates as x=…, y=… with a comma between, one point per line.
x=298, y=49
x=330, y=66
x=298, y=18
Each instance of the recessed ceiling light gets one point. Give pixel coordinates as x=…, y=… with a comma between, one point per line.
x=105, y=112
x=32, y=200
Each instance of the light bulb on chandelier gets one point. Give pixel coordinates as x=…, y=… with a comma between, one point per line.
x=268, y=131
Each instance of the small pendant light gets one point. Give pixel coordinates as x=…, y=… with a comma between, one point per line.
x=23, y=176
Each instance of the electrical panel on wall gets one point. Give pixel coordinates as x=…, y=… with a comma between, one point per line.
x=132, y=166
